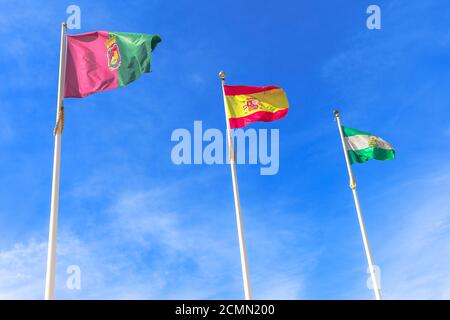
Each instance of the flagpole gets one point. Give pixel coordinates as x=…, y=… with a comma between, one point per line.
x=53, y=226
x=237, y=204
x=373, y=275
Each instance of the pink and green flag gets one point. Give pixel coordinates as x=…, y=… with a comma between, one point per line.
x=102, y=60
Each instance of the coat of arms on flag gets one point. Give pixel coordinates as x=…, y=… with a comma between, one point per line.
x=113, y=53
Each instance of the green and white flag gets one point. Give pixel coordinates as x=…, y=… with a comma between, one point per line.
x=362, y=146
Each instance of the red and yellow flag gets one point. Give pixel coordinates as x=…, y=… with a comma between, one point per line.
x=247, y=104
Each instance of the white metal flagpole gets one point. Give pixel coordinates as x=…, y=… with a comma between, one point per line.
x=53, y=226
x=237, y=204
x=373, y=275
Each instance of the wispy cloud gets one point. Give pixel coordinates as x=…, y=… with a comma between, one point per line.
x=147, y=219
x=21, y=271
x=371, y=65
x=416, y=261
x=148, y=247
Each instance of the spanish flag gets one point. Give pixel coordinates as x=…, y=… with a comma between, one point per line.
x=247, y=104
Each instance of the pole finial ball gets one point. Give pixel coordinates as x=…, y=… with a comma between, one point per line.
x=222, y=75
x=336, y=113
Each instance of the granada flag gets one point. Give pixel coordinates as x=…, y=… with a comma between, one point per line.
x=247, y=104
x=102, y=60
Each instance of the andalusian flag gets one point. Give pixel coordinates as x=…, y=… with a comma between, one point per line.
x=247, y=104
x=362, y=146
x=98, y=61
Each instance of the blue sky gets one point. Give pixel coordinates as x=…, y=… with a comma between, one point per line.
x=141, y=227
